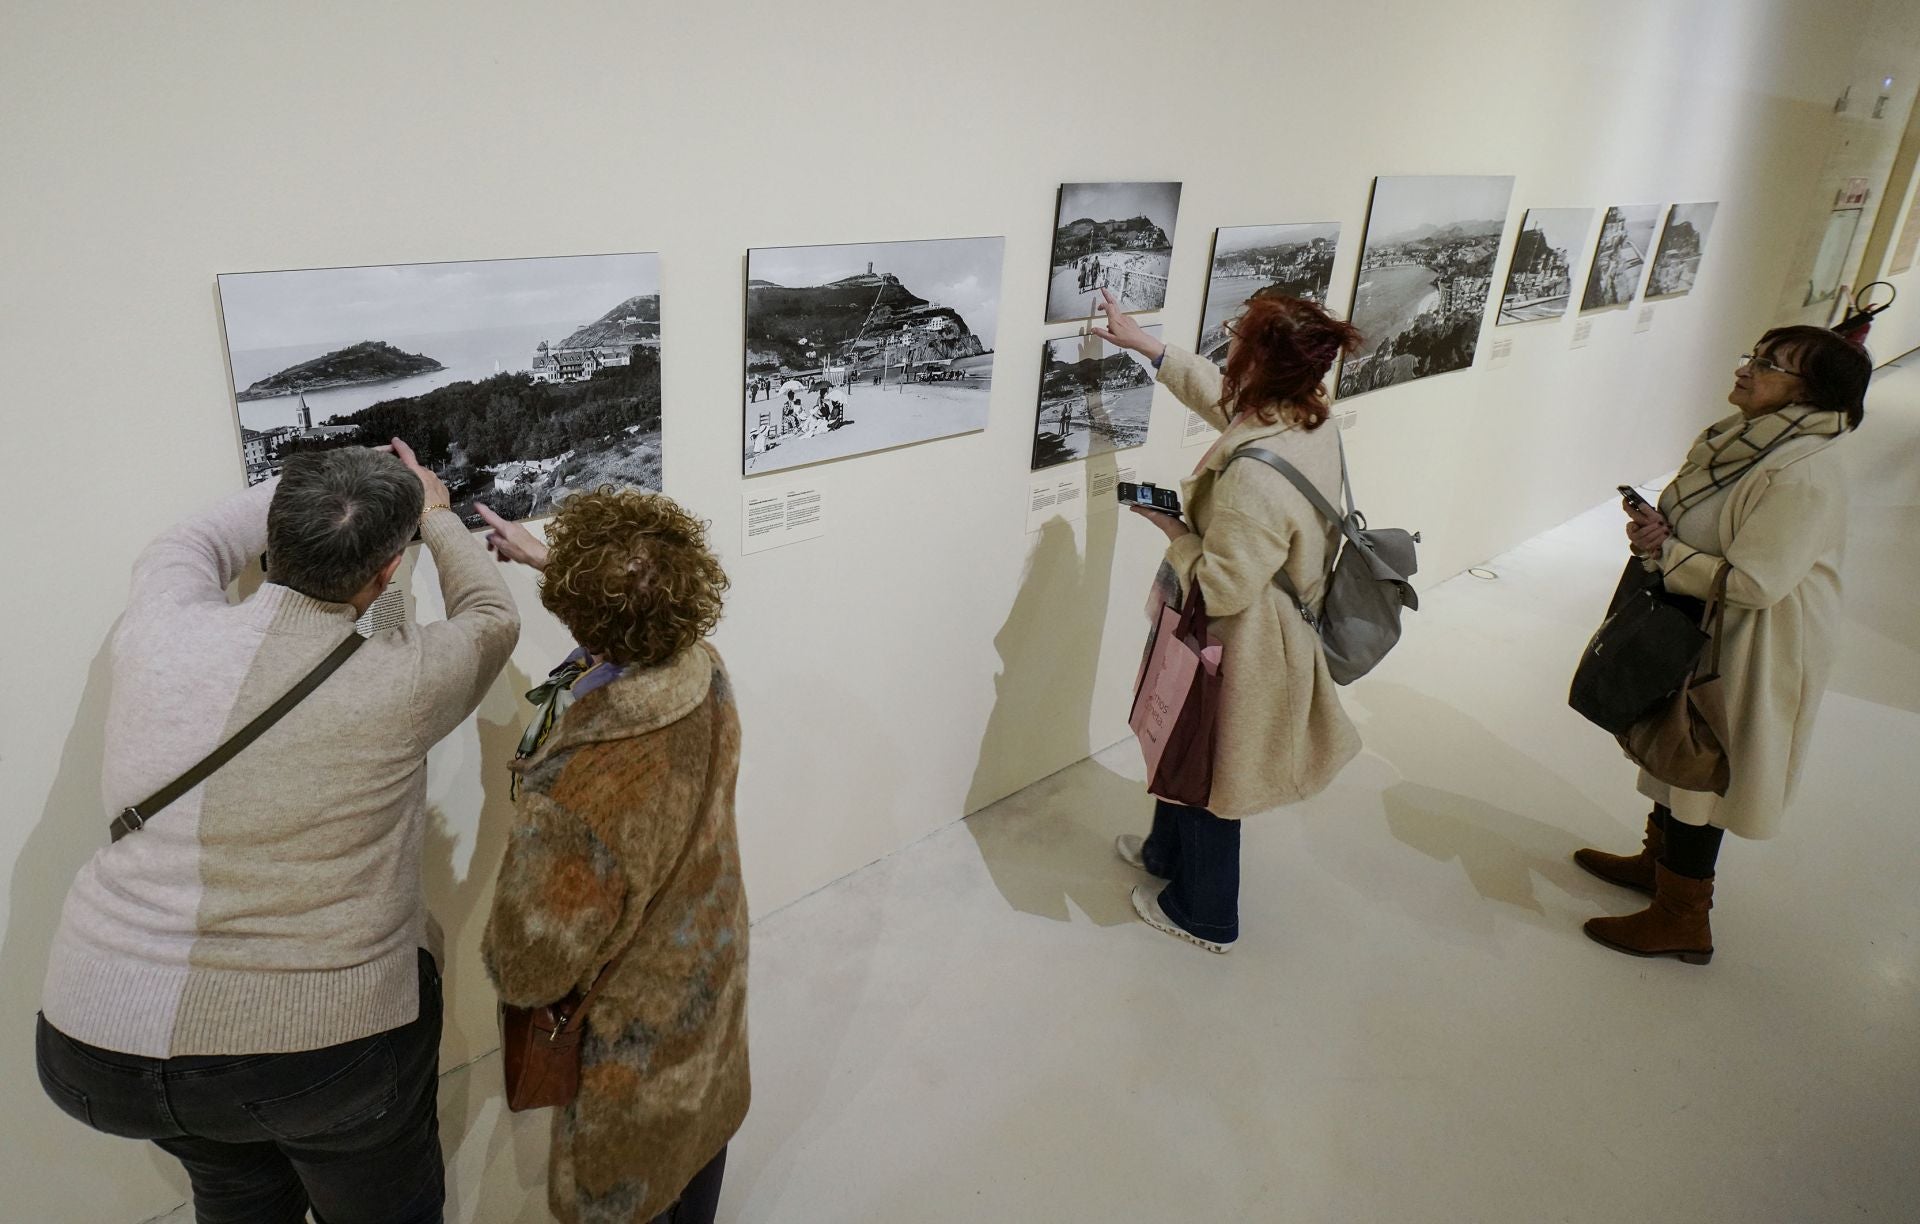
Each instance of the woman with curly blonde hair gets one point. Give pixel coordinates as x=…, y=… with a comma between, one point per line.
x=623, y=859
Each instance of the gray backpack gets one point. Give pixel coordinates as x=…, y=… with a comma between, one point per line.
x=1367, y=586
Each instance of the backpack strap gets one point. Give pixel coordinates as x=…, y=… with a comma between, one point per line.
x=1319, y=502
x=135, y=818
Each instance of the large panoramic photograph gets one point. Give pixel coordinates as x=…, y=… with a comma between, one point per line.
x=867, y=346
x=518, y=381
x=1426, y=270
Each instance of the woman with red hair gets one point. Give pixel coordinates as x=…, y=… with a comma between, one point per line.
x=1282, y=734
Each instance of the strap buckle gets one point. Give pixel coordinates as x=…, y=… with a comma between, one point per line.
x=131, y=821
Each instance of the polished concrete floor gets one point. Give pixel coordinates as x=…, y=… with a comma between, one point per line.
x=1412, y=1027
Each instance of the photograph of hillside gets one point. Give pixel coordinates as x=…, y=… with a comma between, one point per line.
x=1114, y=236
x=866, y=346
x=519, y=381
x=1620, y=258
x=1288, y=260
x=1426, y=271
x=1540, y=274
x=1676, y=261
x=1094, y=398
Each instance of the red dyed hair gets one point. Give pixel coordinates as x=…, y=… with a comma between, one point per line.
x=1282, y=350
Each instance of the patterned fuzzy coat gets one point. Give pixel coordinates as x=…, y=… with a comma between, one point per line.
x=625, y=829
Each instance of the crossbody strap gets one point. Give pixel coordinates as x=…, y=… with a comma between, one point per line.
x=136, y=817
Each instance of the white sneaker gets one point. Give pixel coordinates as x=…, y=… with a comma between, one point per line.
x=1127, y=846
x=1146, y=903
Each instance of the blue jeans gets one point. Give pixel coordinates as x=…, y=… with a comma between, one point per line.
x=1198, y=854
x=350, y=1131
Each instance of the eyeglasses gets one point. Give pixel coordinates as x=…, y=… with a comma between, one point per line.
x=1762, y=365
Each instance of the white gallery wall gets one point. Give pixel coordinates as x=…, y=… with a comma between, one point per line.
x=928, y=654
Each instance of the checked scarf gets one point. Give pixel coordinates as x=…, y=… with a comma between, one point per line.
x=1727, y=449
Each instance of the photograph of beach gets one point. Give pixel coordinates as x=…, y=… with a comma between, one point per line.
x=518, y=381
x=865, y=346
x=1113, y=236
x=1094, y=398
x=1540, y=274
x=1292, y=260
x=1426, y=271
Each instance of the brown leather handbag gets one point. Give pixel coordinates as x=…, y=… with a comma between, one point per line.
x=540, y=1046
x=1683, y=742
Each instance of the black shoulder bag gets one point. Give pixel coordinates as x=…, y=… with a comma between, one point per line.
x=1641, y=654
x=136, y=817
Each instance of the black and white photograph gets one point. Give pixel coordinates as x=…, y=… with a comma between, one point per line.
x=1683, y=241
x=1094, y=398
x=518, y=381
x=1113, y=236
x=1540, y=274
x=1288, y=260
x=866, y=346
x=1426, y=271
x=1620, y=257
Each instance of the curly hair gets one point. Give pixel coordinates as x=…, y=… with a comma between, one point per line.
x=1283, y=347
x=631, y=575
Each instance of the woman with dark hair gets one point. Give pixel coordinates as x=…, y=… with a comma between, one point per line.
x=1764, y=493
x=623, y=853
x=1282, y=734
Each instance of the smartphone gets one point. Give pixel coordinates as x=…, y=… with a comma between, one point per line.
x=1631, y=496
x=1148, y=497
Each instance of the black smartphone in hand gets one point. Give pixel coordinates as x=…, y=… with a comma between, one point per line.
x=1148, y=497
x=1631, y=498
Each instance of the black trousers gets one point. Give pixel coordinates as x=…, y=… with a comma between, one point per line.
x=701, y=1199
x=1198, y=854
x=350, y=1132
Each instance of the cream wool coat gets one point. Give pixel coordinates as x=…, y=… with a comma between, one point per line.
x=1282, y=735
x=1783, y=528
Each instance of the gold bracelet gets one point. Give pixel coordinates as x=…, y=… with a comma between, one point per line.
x=425, y=511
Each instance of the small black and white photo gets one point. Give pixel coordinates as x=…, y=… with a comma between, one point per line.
x=518, y=381
x=1683, y=243
x=1094, y=398
x=866, y=346
x=1620, y=257
x=1540, y=274
x=1426, y=271
x=1112, y=236
x=1294, y=260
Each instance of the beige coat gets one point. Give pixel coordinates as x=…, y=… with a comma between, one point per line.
x=625, y=834
x=1282, y=734
x=1783, y=528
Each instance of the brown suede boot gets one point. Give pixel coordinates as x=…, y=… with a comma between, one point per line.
x=1674, y=925
x=1633, y=871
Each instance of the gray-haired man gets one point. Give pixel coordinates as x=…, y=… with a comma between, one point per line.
x=243, y=981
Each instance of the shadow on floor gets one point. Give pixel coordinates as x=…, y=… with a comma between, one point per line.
x=1050, y=847
x=1468, y=798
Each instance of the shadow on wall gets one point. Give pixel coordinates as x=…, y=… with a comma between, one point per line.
x=1041, y=856
x=72, y=826
x=1879, y=657
x=460, y=895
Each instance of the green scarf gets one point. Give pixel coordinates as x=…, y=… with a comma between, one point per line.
x=1727, y=449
